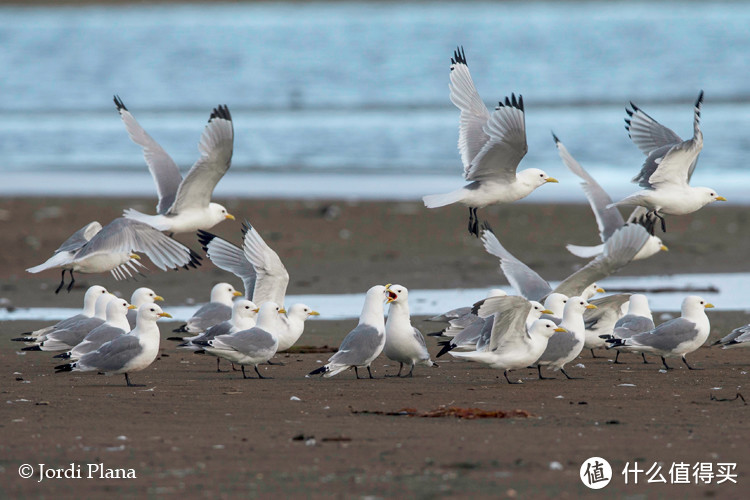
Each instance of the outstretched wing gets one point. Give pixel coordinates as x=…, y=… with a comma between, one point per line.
x=474, y=114
x=216, y=146
x=520, y=276
x=80, y=237
x=272, y=277
x=163, y=169
x=230, y=258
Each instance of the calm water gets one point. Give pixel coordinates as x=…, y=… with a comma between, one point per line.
x=360, y=90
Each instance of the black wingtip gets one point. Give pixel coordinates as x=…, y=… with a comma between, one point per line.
x=447, y=347
x=554, y=137
x=512, y=102
x=699, y=101
x=459, y=56
x=221, y=111
x=65, y=355
x=476, y=306
x=32, y=348
x=175, y=339
x=204, y=238
x=181, y=329
x=24, y=339
x=120, y=105
x=319, y=371
x=486, y=227
x=246, y=226
x=67, y=367
x=204, y=343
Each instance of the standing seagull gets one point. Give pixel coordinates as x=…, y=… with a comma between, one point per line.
x=112, y=248
x=127, y=353
x=363, y=344
x=218, y=309
x=668, y=168
x=185, y=204
x=676, y=337
x=116, y=324
x=141, y=296
x=637, y=320
x=249, y=347
x=403, y=342
x=491, y=147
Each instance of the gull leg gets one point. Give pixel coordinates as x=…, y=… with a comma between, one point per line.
x=541, y=377
x=400, y=367
x=234, y=368
x=259, y=375
x=130, y=384
x=594, y=355
x=243, y=372
x=62, y=282
x=369, y=372
x=684, y=360
x=506, y=378
x=411, y=372
x=356, y=372
x=644, y=359
x=617, y=356
x=569, y=377
x=666, y=366
x=218, y=361
x=72, y=280
x=471, y=221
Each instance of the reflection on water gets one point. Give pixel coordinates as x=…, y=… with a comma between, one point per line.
x=726, y=291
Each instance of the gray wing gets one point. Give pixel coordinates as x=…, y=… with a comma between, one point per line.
x=216, y=146
x=358, y=346
x=131, y=315
x=500, y=156
x=272, y=277
x=559, y=346
x=80, y=237
x=209, y=315
x=127, y=235
x=104, y=333
x=607, y=219
x=74, y=333
x=485, y=334
x=735, y=334
x=223, y=328
x=420, y=338
x=667, y=336
x=230, y=258
x=619, y=250
x=472, y=333
x=647, y=133
x=114, y=355
x=250, y=342
x=510, y=323
x=520, y=276
x=673, y=164
x=163, y=169
x=607, y=312
x=500, y=305
x=452, y=314
x=474, y=114
x=630, y=324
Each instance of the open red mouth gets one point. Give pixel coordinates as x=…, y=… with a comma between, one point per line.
x=391, y=296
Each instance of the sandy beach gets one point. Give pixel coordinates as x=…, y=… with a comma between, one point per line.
x=192, y=431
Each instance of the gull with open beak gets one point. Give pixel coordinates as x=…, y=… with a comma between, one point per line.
x=403, y=343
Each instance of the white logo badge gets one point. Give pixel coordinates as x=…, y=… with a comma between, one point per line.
x=596, y=473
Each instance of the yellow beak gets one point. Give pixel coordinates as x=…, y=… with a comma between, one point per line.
x=229, y=216
x=388, y=286
x=164, y=315
x=256, y=309
x=720, y=198
x=135, y=256
x=282, y=311
x=547, y=311
x=709, y=305
x=313, y=313
x=552, y=179
x=600, y=290
x=236, y=294
x=560, y=329
x=131, y=306
x=664, y=248
x=591, y=306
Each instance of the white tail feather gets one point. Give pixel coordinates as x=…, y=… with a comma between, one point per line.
x=441, y=200
x=58, y=260
x=151, y=220
x=585, y=252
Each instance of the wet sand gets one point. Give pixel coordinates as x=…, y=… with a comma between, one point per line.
x=192, y=431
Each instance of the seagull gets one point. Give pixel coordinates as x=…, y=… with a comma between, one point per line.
x=127, y=353
x=668, y=168
x=293, y=325
x=217, y=310
x=463, y=319
x=185, y=204
x=115, y=325
x=141, y=296
x=363, y=344
x=637, y=320
x=89, y=305
x=618, y=251
x=403, y=342
x=491, y=147
x=67, y=338
x=676, y=337
x=566, y=346
x=112, y=248
x=739, y=337
x=601, y=321
x=536, y=312
x=609, y=219
x=243, y=317
x=262, y=273
x=249, y=347
x=512, y=345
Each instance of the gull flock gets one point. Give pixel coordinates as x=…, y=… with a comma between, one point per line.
x=537, y=327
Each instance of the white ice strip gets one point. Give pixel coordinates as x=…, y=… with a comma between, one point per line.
x=727, y=291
